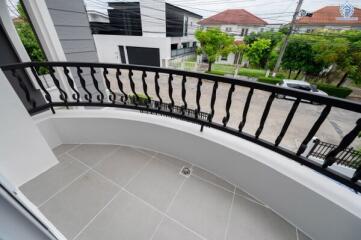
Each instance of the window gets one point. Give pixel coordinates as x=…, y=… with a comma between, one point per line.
x=224, y=57
x=246, y=32
x=272, y=29
x=242, y=32
x=228, y=29
x=262, y=29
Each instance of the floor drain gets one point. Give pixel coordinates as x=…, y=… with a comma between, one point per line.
x=186, y=171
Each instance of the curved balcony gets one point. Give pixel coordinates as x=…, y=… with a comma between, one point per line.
x=221, y=128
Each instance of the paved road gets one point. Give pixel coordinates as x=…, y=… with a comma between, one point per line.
x=338, y=123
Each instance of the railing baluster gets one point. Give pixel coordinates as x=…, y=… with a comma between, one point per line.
x=288, y=121
x=88, y=95
x=184, y=92
x=198, y=97
x=132, y=86
x=228, y=105
x=25, y=89
x=47, y=94
x=112, y=97
x=145, y=88
x=265, y=115
x=314, y=129
x=245, y=110
x=157, y=90
x=63, y=95
x=170, y=92
x=76, y=94
x=120, y=85
x=100, y=97
x=213, y=101
x=345, y=142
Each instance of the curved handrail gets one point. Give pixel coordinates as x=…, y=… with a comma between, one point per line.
x=169, y=108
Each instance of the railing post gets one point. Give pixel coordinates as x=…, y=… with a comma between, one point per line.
x=311, y=146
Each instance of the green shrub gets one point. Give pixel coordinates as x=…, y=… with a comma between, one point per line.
x=142, y=99
x=341, y=92
x=270, y=80
x=216, y=72
x=255, y=73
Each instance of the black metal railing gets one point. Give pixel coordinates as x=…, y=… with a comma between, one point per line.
x=153, y=91
x=348, y=157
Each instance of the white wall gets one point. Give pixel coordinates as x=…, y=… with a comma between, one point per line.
x=24, y=153
x=108, y=46
x=320, y=207
x=153, y=18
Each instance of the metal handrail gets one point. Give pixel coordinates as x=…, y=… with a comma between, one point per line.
x=146, y=103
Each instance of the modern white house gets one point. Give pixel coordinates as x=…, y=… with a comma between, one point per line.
x=145, y=32
x=164, y=154
x=329, y=18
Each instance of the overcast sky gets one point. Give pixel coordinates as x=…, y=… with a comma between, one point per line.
x=272, y=11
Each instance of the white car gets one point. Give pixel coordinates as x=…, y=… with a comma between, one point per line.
x=300, y=85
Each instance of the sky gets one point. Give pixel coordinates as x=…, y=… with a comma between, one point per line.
x=273, y=11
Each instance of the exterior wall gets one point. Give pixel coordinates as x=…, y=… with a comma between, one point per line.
x=71, y=23
x=305, y=29
x=24, y=152
x=317, y=205
x=153, y=18
x=108, y=46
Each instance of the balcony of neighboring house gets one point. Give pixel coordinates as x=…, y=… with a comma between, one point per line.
x=169, y=154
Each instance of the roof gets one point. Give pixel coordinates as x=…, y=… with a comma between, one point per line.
x=329, y=15
x=235, y=17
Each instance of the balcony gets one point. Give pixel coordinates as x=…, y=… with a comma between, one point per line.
x=253, y=172
x=182, y=51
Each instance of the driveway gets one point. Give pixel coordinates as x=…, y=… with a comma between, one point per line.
x=338, y=123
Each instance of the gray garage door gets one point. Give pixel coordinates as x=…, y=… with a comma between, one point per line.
x=143, y=56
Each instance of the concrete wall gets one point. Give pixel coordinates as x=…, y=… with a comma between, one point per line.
x=153, y=18
x=24, y=153
x=108, y=46
x=320, y=207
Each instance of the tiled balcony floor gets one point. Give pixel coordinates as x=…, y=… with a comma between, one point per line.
x=114, y=192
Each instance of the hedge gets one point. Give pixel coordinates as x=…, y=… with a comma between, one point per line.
x=341, y=92
x=142, y=99
x=216, y=72
x=269, y=80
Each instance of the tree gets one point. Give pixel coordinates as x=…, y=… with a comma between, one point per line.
x=238, y=49
x=213, y=43
x=28, y=38
x=300, y=55
x=258, y=51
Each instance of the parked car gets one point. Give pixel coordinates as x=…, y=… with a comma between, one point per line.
x=300, y=85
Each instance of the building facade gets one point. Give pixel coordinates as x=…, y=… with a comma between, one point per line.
x=330, y=18
x=145, y=33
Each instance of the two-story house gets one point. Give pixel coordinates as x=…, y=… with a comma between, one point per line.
x=146, y=32
x=331, y=18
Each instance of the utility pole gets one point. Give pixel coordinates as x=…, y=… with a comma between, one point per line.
x=285, y=43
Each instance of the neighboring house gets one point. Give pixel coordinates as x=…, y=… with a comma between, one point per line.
x=145, y=32
x=236, y=22
x=329, y=18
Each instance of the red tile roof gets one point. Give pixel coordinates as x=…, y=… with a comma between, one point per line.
x=234, y=17
x=329, y=16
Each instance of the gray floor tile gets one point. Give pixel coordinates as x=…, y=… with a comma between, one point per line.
x=63, y=148
x=157, y=183
x=124, y=164
x=148, y=152
x=169, y=230
x=48, y=183
x=125, y=217
x=91, y=154
x=203, y=207
x=175, y=161
x=302, y=236
x=73, y=208
x=253, y=222
x=242, y=193
x=212, y=178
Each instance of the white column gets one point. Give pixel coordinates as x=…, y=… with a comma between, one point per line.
x=24, y=152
